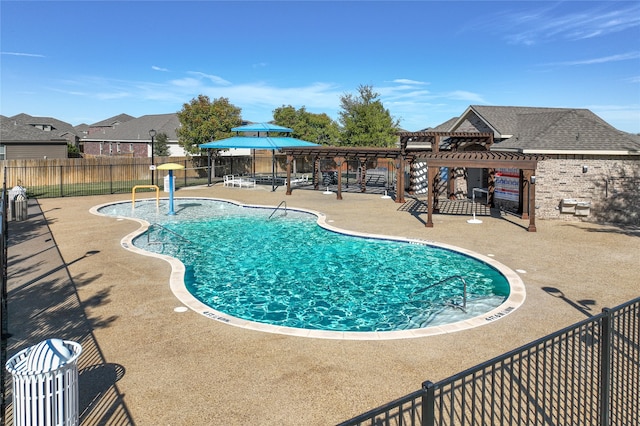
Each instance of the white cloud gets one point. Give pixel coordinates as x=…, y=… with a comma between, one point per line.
x=213, y=78
x=409, y=82
x=155, y=68
x=463, y=95
x=602, y=60
x=551, y=23
x=31, y=55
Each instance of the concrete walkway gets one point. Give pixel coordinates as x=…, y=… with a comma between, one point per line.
x=143, y=363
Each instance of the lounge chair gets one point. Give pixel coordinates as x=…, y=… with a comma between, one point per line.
x=303, y=180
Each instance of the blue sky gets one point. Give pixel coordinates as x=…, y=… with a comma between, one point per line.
x=84, y=61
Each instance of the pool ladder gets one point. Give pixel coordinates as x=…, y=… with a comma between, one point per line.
x=277, y=208
x=157, y=225
x=451, y=278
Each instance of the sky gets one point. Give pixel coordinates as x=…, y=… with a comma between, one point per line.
x=86, y=61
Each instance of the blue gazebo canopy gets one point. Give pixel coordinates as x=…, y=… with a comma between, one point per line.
x=259, y=142
x=262, y=127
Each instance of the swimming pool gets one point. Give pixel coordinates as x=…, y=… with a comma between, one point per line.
x=277, y=270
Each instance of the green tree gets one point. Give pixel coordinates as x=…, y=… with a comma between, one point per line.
x=204, y=121
x=365, y=121
x=318, y=128
x=73, y=151
x=160, y=145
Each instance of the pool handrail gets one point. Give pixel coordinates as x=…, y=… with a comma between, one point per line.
x=276, y=209
x=464, y=289
x=157, y=225
x=133, y=194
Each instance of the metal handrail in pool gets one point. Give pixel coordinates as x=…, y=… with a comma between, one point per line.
x=276, y=209
x=168, y=230
x=464, y=289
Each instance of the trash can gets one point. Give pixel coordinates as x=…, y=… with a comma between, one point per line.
x=166, y=183
x=14, y=193
x=45, y=384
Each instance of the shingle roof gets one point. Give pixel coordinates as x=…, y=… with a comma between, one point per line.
x=443, y=127
x=11, y=130
x=532, y=129
x=109, y=122
x=59, y=127
x=138, y=129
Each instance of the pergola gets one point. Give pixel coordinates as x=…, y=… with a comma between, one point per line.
x=425, y=146
x=339, y=155
x=485, y=160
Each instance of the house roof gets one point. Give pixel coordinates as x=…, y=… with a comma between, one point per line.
x=547, y=130
x=137, y=129
x=12, y=130
x=59, y=128
x=113, y=121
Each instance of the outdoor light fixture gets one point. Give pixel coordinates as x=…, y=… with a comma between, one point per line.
x=152, y=133
x=533, y=180
x=585, y=169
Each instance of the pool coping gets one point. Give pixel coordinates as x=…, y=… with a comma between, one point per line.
x=516, y=298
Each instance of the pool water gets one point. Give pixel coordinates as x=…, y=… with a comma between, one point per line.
x=282, y=268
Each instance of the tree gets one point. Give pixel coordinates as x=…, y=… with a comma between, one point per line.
x=204, y=121
x=318, y=128
x=160, y=146
x=73, y=151
x=365, y=121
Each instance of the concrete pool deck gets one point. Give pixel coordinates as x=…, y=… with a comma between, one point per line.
x=144, y=363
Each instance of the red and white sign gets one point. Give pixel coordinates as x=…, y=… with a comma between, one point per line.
x=507, y=184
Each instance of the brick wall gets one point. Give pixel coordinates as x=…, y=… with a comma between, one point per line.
x=611, y=186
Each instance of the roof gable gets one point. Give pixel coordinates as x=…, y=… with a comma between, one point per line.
x=113, y=121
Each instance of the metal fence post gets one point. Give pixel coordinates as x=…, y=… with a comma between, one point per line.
x=61, y=182
x=428, y=403
x=605, y=367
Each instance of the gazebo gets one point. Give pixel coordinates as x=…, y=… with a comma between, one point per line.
x=261, y=140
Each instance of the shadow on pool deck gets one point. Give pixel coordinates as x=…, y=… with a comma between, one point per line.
x=41, y=289
x=185, y=369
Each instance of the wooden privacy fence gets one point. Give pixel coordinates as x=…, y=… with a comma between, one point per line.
x=39, y=172
x=93, y=176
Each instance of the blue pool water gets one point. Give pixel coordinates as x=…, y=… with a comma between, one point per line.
x=288, y=271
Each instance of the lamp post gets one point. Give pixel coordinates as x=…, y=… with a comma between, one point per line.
x=152, y=133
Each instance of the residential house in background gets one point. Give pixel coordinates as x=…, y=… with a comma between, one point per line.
x=130, y=137
x=25, y=137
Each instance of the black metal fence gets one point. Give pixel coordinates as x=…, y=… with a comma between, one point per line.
x=4, y=314
x=48, y=181
x=585, y=374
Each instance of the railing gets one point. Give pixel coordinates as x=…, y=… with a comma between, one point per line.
x=164, y=228
x=451, y=278
x=81, y=179
x=585, y=374
x=276, y=209
x=4, y=313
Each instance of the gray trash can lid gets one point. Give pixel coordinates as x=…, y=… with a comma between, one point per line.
x=46, y=356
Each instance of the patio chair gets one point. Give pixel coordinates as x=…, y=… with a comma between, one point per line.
x=303, y=180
